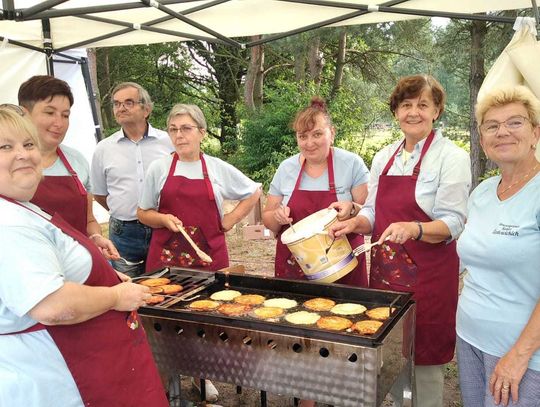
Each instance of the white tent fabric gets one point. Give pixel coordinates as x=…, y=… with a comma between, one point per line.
x=518, y=63
x=18, y=64
x=231, y=18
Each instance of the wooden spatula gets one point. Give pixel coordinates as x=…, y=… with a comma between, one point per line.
x=200, y=253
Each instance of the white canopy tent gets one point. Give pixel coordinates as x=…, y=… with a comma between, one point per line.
x=36, y=37
x=34, y=33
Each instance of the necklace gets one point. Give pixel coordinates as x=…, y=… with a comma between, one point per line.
x=519, y=180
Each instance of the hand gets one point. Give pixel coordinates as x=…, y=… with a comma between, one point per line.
x=227, y=222
x=106, y=247
x=130, y=296
x=123, y=277
x=281, y=215
x=506, y=376
x=400, y=232
x=341, y=228
x=170, y=222
x=343, y=208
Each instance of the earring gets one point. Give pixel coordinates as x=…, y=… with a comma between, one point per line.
x=533, y=146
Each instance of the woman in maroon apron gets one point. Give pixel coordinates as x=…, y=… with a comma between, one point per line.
x=94, y=326
x=48, y=101
x=187, y=190
x=301, y=180
x=416, y=208
x=182, y=191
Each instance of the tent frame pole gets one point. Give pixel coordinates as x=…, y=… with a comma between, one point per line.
x=47, y=45
x=537, y=18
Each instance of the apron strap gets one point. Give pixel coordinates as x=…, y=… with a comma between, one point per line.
x=207, y=182
x=416, y=169
x=207, y=179
x=331, y=179
x=71, y=171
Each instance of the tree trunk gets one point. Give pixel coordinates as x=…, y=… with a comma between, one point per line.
x=478, y=30
x=229, y=69
x=92, y=67
x=299, y=67
x=102, y=62
x=340, y=64
x=253, y=91
x=315, y=60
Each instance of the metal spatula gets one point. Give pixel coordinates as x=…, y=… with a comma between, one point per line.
x=200, y=253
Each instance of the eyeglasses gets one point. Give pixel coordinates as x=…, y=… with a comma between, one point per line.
x=128, y=104
x=15, y=108
x=185, y=129
x=491, y=127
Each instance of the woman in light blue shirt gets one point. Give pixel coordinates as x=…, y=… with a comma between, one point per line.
x=498, y=319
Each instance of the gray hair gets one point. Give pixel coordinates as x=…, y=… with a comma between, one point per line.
x=144, y=96
x=192, y=111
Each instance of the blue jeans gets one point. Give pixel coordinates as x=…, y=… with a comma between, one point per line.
x=132, y=240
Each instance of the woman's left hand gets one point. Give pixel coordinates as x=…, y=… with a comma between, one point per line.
x=506, y=376
x=400, y=232
x=106, y=247
x=123, y=277
x=227, y=222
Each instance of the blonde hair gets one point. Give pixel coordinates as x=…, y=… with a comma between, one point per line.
x=11, y=121
x=509, y=94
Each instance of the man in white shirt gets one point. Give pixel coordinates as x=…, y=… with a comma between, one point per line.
x=118, y=168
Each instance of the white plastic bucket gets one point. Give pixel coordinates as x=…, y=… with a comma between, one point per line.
x=320, y=257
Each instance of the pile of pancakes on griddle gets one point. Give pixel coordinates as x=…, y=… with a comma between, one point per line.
x=348, y=317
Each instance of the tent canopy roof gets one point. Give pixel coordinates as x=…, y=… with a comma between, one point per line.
x=65, y=24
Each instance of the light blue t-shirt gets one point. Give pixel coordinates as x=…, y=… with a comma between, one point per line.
x=35, y=260
x=77, y=162
x=500, y=249
x=349, y=172
x=228, y=182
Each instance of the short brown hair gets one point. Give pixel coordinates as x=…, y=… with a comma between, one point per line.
x=412, y=87
x=305, y=118
x=43, y=87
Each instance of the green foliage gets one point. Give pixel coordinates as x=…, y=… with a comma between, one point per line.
x=267, y=137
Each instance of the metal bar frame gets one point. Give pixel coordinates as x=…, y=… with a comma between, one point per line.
x=39, y=11
x=181, y=17
x=320, y=24
x=42, y=6
x=148, y=25
x=72, y=12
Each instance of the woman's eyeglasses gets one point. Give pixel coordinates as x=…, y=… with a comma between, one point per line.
x=15, y=108
x=491, y=127
x=186, y=129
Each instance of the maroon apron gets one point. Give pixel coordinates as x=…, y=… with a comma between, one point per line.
x=108, y=356
x=430, y=271
x=193, y=202
x=64, y=195
x=302, y=204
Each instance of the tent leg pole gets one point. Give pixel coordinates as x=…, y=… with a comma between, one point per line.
x=91, y=97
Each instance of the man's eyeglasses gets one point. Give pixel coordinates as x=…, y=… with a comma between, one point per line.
x=186, y=129
x=128, y=104
x=491, y=127
x=15, y=108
